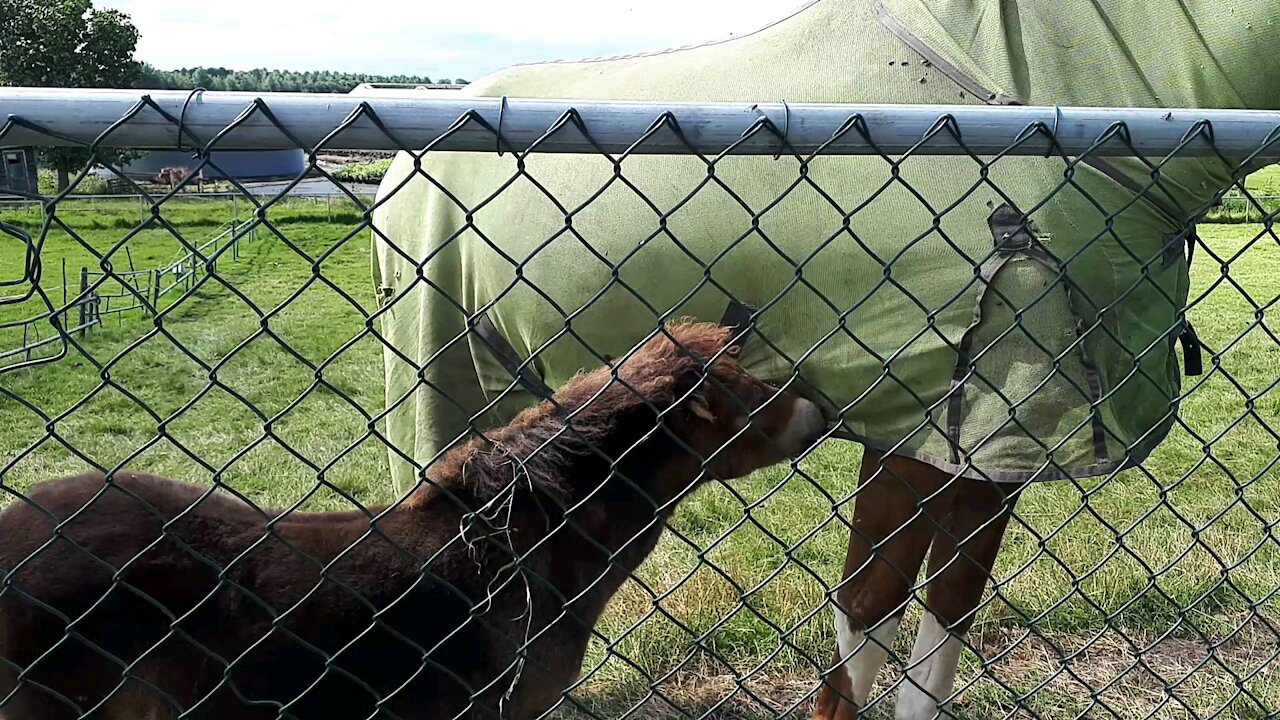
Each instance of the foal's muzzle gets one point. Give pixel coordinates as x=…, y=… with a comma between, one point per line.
x=805, y=427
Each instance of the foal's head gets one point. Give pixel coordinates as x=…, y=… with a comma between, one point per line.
x=682, y=401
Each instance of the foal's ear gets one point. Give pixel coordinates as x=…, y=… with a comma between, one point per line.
x=689, y=376
x=698, y=406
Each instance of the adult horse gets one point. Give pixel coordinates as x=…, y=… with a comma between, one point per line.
x=976, y=328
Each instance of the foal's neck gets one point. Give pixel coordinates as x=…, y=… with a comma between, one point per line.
x=602, y=492
x=616, y=515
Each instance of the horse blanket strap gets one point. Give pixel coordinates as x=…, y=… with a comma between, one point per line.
x=507, y=357
x=1192, y=363
x=1132, y=186
x=738, y=317
x=971, y=86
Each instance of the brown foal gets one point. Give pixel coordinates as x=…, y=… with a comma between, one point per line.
x=140, y=597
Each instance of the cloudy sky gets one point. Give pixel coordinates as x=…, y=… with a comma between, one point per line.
x=431, y=37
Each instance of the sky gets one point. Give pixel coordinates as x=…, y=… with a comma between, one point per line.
x=460, y=38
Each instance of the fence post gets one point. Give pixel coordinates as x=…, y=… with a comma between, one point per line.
x=155, y=292
x=84, y=301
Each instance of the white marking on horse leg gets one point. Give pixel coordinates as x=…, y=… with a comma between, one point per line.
x=864, y=654
x=932, y=673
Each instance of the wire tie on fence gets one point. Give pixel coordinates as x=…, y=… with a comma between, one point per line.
x=502, y=111
x=786, y=129
x=182, y=120
x=1053, y=135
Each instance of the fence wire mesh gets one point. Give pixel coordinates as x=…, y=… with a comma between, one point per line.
x=665, y=537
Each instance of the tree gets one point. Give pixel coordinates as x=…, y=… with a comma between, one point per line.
x=263, y=80
x=67, y=43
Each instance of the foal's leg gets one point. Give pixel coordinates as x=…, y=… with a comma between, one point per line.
x=891, y=532
x=964, y=551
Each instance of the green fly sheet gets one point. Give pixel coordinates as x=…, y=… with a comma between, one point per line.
x=1017, y=321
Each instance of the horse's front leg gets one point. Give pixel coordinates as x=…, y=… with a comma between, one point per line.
x=891, y=531
x=964, y=551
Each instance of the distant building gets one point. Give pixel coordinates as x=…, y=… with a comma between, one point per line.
x=244, y=165
x=18, y=171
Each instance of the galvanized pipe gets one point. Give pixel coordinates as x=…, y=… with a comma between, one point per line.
x=79, y=116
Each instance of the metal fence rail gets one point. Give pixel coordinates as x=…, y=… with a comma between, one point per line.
x=120, y=118
x=184, y=271
x=1049, y=331
x=126, y=292
x=32, y=328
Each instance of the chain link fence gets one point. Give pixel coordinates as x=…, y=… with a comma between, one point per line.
x=1055, y=320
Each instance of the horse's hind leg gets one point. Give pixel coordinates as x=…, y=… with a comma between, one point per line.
x=891, y=532
x=964, y=551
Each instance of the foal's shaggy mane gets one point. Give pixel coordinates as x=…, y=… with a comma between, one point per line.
x=538, y=444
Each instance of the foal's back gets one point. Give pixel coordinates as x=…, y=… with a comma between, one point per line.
x=177, y=584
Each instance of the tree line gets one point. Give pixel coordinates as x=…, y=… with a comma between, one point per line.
x=71, y=43
x=264, y=80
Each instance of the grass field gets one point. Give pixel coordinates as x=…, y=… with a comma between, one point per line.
x=1263, y=186
x=1162, y=563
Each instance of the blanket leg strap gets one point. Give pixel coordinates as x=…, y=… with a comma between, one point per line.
x=738, y=316
x=507, y=357
x=1192, y=360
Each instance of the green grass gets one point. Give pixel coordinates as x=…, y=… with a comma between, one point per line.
x=370, y=172
x=1263, y=186
x=1162, y=557
x=224, y=333
x=1265, y=181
